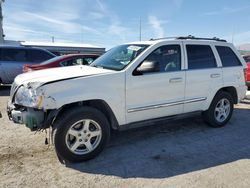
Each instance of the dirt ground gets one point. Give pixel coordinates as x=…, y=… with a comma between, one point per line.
x=184, y=153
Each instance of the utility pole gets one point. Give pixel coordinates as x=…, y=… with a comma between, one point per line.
x=1, y=23
x=53, y=39
x=140, y=30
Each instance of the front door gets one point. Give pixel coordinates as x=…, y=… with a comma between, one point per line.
x=157, y=92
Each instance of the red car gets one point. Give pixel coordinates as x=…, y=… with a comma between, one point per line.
x=61, y=61
x=247, y=73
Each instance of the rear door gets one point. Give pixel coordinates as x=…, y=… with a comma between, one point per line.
x=203, y=75
x=12, y=62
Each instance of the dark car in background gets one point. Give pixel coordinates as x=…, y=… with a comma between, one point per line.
x=12, y=59
x=61, y=61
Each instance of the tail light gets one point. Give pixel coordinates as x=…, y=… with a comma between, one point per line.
x=26, y=69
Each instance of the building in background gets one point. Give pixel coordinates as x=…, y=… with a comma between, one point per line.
x=66, y=48
x=244, y=49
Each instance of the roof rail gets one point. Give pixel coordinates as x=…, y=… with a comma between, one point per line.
x=192, y=37
x=152, y=39
x=201, y=38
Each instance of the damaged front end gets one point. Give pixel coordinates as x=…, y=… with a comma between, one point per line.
x=32, y=118
x=26, y=106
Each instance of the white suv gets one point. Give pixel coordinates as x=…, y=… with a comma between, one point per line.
x=130, y=85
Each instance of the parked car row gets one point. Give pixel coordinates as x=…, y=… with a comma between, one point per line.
x=12, y=60
x=16, y=60
x=62, y=61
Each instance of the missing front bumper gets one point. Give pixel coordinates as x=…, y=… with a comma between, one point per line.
x=32, y=118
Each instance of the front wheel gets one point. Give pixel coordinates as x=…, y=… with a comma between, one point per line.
x=220, y=110
x=81, y=134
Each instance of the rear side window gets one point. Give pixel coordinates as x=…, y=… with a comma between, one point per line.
x=17, y=55
x=200, y=57
x=228, y=57
x=38, y=56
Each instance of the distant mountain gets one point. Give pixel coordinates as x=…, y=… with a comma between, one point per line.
x=244, y=47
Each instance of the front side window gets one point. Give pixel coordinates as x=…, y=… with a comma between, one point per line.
x=227, y=56
x=165, y=59
x=200, y=57
x=119, y=57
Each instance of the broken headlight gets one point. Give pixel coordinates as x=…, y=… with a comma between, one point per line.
x=28, y=97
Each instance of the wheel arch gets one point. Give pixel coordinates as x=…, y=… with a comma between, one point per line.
x=232, y=91
x=229, y=89
x=98, y=104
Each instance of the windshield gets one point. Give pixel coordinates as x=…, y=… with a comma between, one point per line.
x=52, y=60
x=119, y=57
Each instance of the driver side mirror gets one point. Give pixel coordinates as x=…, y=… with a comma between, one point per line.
x=148, y=67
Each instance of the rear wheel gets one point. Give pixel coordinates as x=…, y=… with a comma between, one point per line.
x=81, y=134
x=220, y=110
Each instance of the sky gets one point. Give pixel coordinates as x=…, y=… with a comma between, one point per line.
x=107, y=23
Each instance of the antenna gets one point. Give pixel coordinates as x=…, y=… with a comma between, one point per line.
x=140, y=30
x=1, y=22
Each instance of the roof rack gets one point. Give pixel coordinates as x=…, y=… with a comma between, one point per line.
x=192, y=37
x=152, y=39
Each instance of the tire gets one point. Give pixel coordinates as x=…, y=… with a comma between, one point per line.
x=215, y=116
x=80, y=134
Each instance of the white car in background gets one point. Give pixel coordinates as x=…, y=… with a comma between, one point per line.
x=130, y=85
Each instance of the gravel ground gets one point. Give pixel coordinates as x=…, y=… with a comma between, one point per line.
x=184, y=153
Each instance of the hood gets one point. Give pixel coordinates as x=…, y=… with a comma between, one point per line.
x=56, y=74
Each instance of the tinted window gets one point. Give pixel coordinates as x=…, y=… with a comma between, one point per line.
x=168, y=57
x=227, y=56
x=200, y=57
x=38, y=56
x=18, y=55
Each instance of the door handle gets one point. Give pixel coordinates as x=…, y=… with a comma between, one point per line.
x=215, y=75
x=175, y=80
